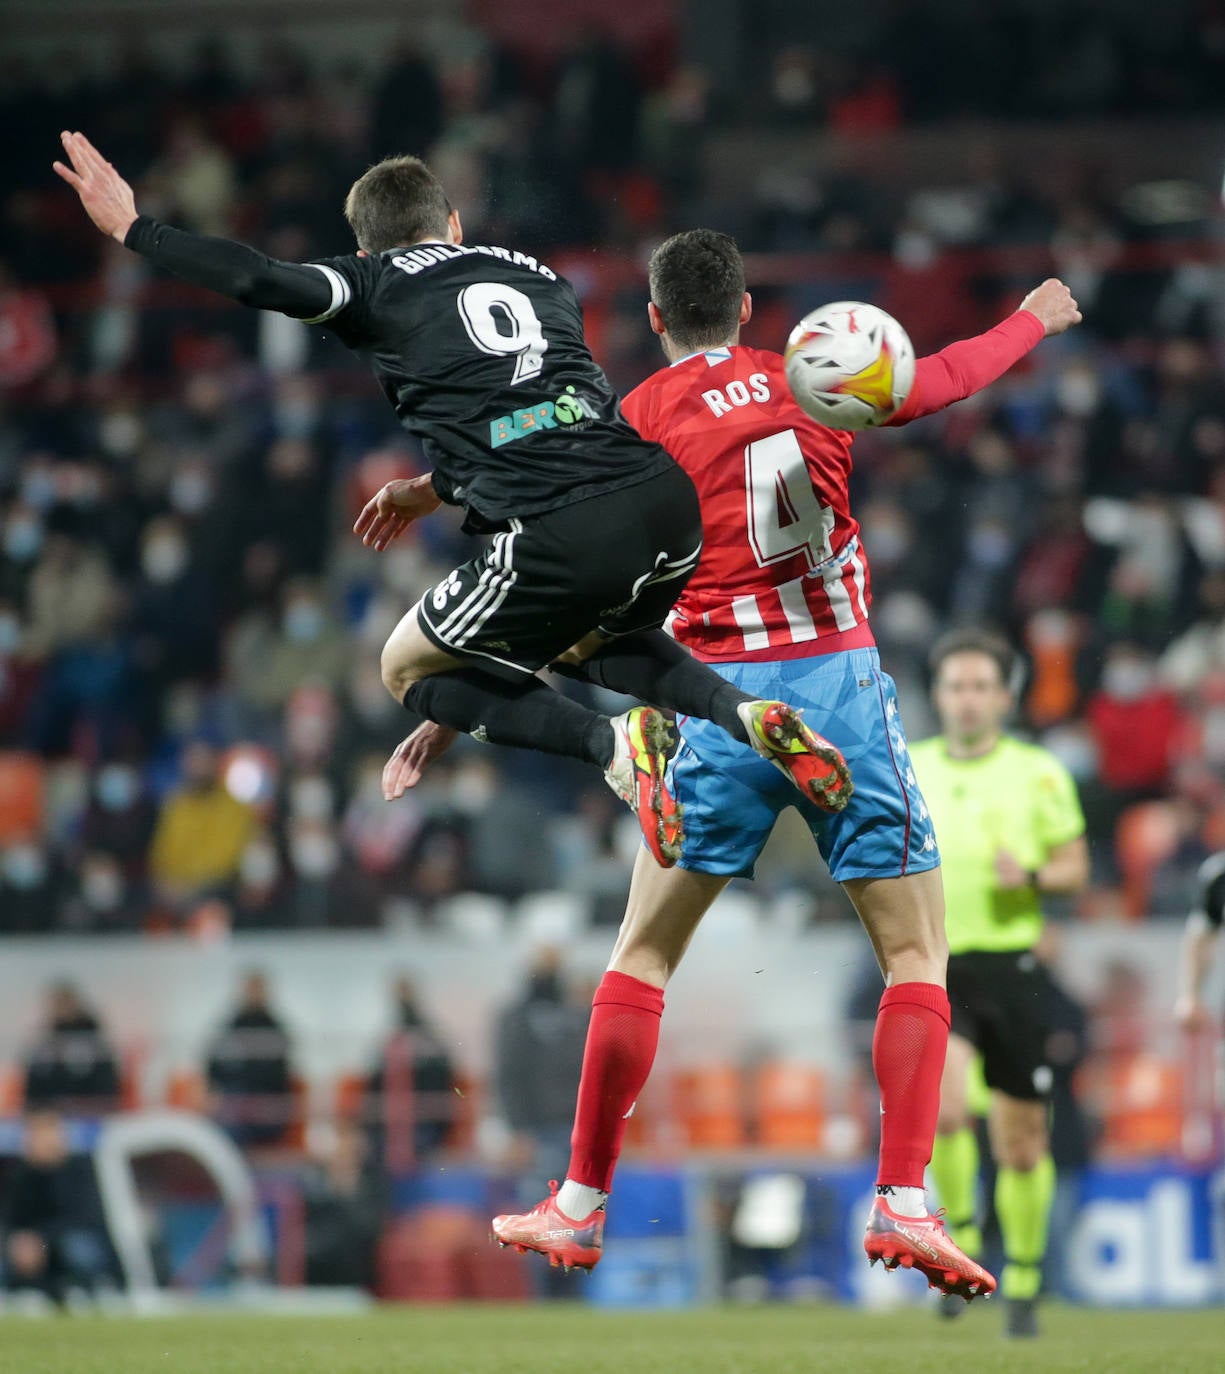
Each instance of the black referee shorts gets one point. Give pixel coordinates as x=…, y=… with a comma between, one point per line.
x=616, y=563
x=1002, y=1003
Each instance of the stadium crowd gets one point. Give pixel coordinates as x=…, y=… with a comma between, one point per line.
x=192, y=724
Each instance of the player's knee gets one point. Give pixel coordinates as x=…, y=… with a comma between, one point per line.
x=953, y=1117
x=398, y=675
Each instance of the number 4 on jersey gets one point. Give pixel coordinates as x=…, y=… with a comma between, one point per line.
x=784, y=515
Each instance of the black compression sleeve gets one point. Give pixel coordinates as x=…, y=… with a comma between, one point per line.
x=233, y=269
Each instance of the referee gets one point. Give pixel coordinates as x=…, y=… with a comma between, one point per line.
x=1010, y=830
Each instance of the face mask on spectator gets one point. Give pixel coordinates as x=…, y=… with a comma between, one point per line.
x=1127, y=679
x=989, y=545
x=191, y=491
x=164, y=559
x=23, y=538
x=1077, y=394
x=102, y=887
x=120, y=433
x=10, y=634
x=116, y=788
x=260, y=865
x=314, y=854
x=303, y=622
x=25, y=867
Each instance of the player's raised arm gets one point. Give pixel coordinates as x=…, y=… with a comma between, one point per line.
x=961, y=369
x=231, y=269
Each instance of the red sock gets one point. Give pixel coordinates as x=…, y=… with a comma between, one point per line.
x=621, y=1042
x=912, y=1035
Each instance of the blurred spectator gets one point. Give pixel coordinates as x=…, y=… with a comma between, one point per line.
x=413, y=1082
x=345, y=1201
x=249, y=1069
x=1136, y=725
x=407, y=112
x=55, y=1239
x=72, y=1065
x=27, y=333
x=539, y=1045
x=201, y=833
x=195, y=179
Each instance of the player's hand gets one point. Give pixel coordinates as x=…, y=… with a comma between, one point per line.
x=1009, y=875
x=1054, y=305
x=414, y=755
x=386, y=516
x=1191, y=1015
x=107, y=198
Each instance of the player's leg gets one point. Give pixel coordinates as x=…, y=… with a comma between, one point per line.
x=1024, y=1191
x=622, y=1038
x=955, y=1161
x=730, y=809
x=905, y=919
x=649, y=664
x=510, y=708
x=466, y=656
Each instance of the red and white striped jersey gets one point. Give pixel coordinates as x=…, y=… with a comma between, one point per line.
x=782, y=573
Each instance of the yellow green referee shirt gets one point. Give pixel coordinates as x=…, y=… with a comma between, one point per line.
x=1017, y=797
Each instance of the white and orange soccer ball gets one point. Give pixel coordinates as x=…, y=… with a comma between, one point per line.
x=849, y=365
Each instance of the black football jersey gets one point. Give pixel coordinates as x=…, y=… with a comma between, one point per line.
x=481, y=351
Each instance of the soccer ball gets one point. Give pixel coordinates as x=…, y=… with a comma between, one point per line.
x=849, y=365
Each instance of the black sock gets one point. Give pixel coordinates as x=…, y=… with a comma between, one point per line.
x=653, y=666
x=525, y=714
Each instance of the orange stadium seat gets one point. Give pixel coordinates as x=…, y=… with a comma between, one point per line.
x=12, y=1089
x=22, y=784
x=1142, y=1107
x=710, y=1106
x=1147, y=834
x=187, y=1090
x=350, y=1097
x=789, y=1106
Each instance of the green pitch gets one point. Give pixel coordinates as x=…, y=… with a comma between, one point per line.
x=569, y=1340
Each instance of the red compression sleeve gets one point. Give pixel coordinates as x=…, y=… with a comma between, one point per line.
x=968, y=366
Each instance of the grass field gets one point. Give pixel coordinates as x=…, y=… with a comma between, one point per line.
x=535, y=1340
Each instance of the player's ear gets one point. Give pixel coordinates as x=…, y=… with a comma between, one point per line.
x=746, y=308
x=655, y=318
x=454, y=228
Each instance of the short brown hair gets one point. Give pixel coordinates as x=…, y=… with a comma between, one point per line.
x=973, y=641
x=697, y=284
x=396, y=202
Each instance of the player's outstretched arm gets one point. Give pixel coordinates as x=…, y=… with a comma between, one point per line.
x=414, y=755
x=231, y=269
x=961, y=369
x=1195, y=959
x=390, y=512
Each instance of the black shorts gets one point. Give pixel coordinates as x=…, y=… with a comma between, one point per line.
x=614, y=563
x=1003, y=1004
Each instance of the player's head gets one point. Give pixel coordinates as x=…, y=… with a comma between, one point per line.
x=698, y=298
x=398, y=202
x=972, y=685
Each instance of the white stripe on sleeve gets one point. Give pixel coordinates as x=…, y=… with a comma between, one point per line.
x=342, y=292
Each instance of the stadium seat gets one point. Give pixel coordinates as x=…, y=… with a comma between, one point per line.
x=473, y=917
x=22, y=787
x=12, y=1089
x=1141, y=1100
x=1147, y=834
x=710, y=1107
x=552, y=917
x=441, y=1253
x=350, y=1099
x=187, y=1090
x=789, y=1106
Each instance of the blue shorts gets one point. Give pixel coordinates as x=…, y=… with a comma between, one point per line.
x=732, y=796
